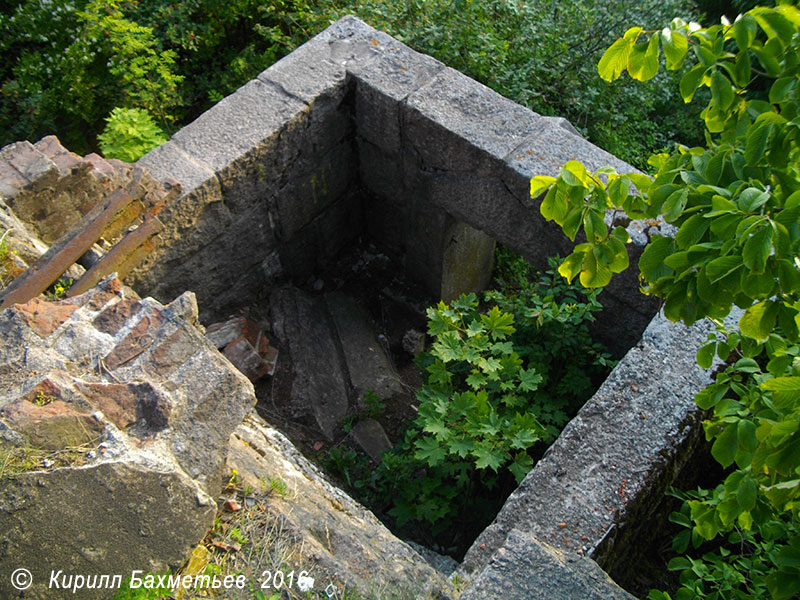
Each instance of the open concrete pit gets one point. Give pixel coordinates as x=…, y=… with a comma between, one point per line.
x=356, y=146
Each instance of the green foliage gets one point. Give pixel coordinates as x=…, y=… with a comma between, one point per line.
x=67, y=64
x=130, y=133
x=736, y=205
x=496, y=386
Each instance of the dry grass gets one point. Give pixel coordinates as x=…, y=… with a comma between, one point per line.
x=21, y=459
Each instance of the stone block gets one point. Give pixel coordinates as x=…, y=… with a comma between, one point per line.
x=51, y=424
x=341, y=223
x=313, y=188
x=486, y=203
x=546, y=148
x=527, y=569
x=107, y=518
x=382, y=174
x=467, y=261
x=30, y=163
x=169, y=161
x=371, y=436
x=381, y=85
x=386, y=223
x=301, y=324
x=342, y=541
x=308, y=72
x=368, y=366
x=241, y=128
x=459, y=125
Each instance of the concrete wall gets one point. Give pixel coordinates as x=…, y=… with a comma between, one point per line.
x=355, y=132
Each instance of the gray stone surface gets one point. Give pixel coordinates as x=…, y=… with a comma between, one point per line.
x=526, y=569
x=598, y=484
x=338, y=540
x=367, y=364
x=318, y=385
x=130, y=410
x=108, y=518
x=371, y=436
x=240, y=124
x=472, y=122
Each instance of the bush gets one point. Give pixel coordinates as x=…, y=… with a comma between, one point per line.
x=130, y=133
x=735, y=203
x=501, y=380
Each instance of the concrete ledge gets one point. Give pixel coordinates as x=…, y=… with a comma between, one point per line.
x=526, y=569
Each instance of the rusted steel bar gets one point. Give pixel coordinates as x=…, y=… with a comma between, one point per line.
x=61, y=255
x=117, y=256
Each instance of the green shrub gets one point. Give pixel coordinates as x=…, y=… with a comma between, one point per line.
x=501, y=380
x=130, y=133
x=735, y=203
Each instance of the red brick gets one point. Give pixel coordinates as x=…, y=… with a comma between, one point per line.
x=44, y=317
x=114, y=317
x=137, y=341
x=244, y=357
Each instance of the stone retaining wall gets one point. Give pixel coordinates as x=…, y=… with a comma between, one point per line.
x=356, y=133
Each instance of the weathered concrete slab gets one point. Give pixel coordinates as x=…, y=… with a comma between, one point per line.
x=526, y=569
x=472, y=122
x=318, y=385
x=367, y=364
x=246, y=122
x=345, y=545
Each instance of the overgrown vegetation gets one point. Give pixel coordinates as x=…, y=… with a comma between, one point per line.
x=497, y=389
x=69, y=63
x=736, y=205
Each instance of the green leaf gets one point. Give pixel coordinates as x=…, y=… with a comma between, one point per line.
x=787, y=389
x=651, y=263
x=721, y=90
x=594, y=273
x=487, y=457
x=529, y=380
x=757, y=249
x=774, y=24
x=498, y=323
x=722, y=267
x=676, y=46
x=540, y=183
x=429, y=450
x=692, y=231
x=691, y=81
x=725, y=446
x=674, y=204
x=781, y=88
x=520, y=467
x=643, y=60
x=615, y=60
x=756, y=142
x=571, y=266
x=745, y=29
x=758, y=321
x=706, y=355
